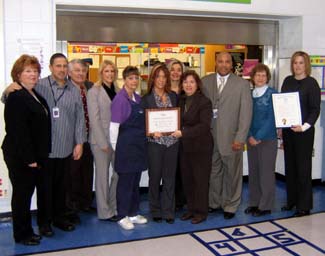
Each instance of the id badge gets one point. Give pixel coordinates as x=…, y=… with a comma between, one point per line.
x=215, y=113
x=56, y=112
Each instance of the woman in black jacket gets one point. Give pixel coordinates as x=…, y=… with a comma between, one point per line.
x=162, y=149
x=196, y=147
x=26, y=146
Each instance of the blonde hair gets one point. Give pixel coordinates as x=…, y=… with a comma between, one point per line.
x=175, y=61
x=102, y=66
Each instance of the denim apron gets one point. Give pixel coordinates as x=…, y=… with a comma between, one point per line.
x=131, y=148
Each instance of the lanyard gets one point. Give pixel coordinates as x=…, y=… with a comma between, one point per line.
x=56, y=100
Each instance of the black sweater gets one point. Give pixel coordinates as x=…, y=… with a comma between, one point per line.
x=309, y=95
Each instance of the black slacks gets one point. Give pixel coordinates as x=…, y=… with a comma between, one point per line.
x=180, y=199
x=58, y=168
x=162, y=169
x=79, y=180
x=196, y=169
x=24, y=180
x=298, y=148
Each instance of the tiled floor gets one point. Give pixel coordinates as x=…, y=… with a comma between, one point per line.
x=93, y=232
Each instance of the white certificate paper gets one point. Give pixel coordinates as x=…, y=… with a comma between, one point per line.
x=286, y=108
x=165, y=121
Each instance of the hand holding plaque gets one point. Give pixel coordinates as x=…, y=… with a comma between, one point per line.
x=162, y=120
x=286, y=108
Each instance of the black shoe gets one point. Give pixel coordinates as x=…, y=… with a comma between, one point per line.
x=251, y=209
x=157, y=219
x=301, y=213
x=228, y=215
x=36, y=237
x=197, y=220
x=186, y=216
x=259, y=212
x=64, y=225
x=114, y=218
x=211, y=210
x=73, y=218
x=46, y=230
x=287, y=208
x=170, y=220
x=29, y=241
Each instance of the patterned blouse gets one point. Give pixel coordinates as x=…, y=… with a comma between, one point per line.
x=163, y=140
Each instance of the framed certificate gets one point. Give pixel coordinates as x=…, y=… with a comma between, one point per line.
x=286, y=108
x=163, y=120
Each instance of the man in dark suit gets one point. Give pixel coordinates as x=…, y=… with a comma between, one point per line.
x=232, y=112
x=80, y=174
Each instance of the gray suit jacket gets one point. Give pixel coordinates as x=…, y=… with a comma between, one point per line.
x=99, y=111
x=234, y=110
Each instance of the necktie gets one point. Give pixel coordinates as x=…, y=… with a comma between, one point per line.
x=221, y=84
x=84, y=103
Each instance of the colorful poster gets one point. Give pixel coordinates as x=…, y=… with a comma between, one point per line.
x=317, y=60
x=249, y=64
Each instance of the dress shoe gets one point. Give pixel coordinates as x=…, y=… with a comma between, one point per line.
x=301, y=213
x=287, y=208
x=170, y=220
x=64, y=225
x=73, y=218
x=157, y=219
x=46, y=231
x=36, y=237
x=211, y=210
x=259, y=213
x=197, y=220
x=113, y=219
x=251, y=209
x=29, y=241
x=186, y=216
x=228, y=215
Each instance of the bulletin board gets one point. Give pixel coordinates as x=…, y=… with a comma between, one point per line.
x=318, y=70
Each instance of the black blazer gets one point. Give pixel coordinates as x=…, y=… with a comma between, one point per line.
x=28, y=127
x=196, y=124
x=148, y=100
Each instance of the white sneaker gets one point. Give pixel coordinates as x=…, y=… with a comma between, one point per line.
x=138, y=219
x=125, y=223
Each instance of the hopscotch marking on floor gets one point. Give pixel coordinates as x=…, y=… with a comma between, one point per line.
x=254, y=240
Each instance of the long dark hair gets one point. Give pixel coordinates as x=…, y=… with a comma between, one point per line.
x=154, y=73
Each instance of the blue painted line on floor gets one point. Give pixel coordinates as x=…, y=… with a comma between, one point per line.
x=234, y=243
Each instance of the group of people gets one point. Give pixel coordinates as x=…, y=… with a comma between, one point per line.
x=56, y=127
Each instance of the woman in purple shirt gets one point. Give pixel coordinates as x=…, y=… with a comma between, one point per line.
x=127, y=130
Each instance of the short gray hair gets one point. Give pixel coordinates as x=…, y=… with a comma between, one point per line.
x=77, y=61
